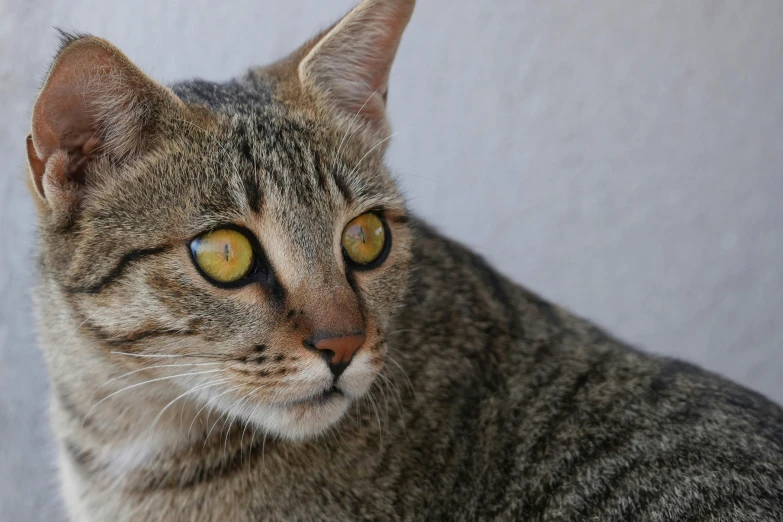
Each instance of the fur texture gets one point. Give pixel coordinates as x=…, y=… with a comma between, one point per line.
x=471, y=399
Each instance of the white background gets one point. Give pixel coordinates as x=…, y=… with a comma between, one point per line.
x=624, y=159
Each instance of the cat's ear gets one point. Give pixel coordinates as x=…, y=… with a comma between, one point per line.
x=349, y=64
x=94, y=103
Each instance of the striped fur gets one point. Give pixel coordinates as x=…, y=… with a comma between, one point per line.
x=472, y=398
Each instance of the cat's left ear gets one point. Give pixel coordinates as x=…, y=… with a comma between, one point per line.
x=94, y=103
x=349, y=65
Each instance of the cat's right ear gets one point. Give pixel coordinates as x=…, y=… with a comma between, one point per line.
x=94, y=103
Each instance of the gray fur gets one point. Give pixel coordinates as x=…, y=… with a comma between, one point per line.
x=488, y=403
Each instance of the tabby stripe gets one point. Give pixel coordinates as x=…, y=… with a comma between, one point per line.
x=547, y=434
x=298, y=157
x=595, y=374
x=112, y=276
x=83, y=459
x=250, y=178
x=274, y=170
x=401, y=219
x=133, y=337
x=252, y=193
x=489, y=278
x=596, y=502
x=70, y=408
x=320, y=173
x=717, y=496
x=614, y=444
x=642, y=463
x=345, y=192
x=725, y=505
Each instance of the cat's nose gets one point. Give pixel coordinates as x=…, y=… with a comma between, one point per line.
x=338, y=349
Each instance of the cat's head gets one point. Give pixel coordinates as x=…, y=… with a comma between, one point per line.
x=244, y=239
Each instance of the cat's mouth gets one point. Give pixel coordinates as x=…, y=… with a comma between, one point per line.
x=318, y=399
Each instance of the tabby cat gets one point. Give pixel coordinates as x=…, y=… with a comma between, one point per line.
x=242, y=322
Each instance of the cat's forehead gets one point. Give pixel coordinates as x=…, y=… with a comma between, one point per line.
x=250, y=160
x=285, y=158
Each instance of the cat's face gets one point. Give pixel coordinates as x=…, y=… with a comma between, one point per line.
x=245, y=237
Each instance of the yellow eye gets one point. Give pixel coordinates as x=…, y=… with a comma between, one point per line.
x=364, y=238
x=224, y=255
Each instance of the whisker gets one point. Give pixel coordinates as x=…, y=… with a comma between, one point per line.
x=403, y=330
x=142, y=383
x=169, y=356
x=385, y=399
x=350, y=125
x=378, y=418
x=387, y=138
x=70, y=337
x=231, y=407
x=234, y=417
x=196, y=388
x=208, y=403
x=417, y=126
x=147, y=368
x=242, y=439
x=405, y=374
x=384, y=140
x=395, y=391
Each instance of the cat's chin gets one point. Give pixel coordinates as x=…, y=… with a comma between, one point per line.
x=303, y=419
x=311, y=416
x=306, y=413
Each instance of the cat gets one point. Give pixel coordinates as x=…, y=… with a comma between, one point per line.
x=242, y=321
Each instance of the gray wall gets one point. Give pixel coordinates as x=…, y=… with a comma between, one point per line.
x=622, y=158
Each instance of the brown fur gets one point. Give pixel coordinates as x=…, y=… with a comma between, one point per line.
x=471, y=398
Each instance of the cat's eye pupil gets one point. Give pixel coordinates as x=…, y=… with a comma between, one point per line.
x=223, y=255
x=364, y=239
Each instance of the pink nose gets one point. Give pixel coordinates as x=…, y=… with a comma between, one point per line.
x=343, y=347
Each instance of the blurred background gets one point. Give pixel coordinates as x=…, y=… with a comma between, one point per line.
x=624, y=159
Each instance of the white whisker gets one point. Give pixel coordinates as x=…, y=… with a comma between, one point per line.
x=70, y=337
x=141, y=383
x=396, y=392
x=384, y=140
x=147, y=368
x=405, y=374
x=165, y=356
x=242, y=439
x=350, y=125
x=233, y=417
x=196, y=388
x=208, y=403
x=226, y=413
x=378, y=418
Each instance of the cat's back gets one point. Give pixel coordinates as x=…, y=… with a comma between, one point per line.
x=556, y=420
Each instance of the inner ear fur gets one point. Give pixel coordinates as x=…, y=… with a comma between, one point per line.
x=94, y=101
